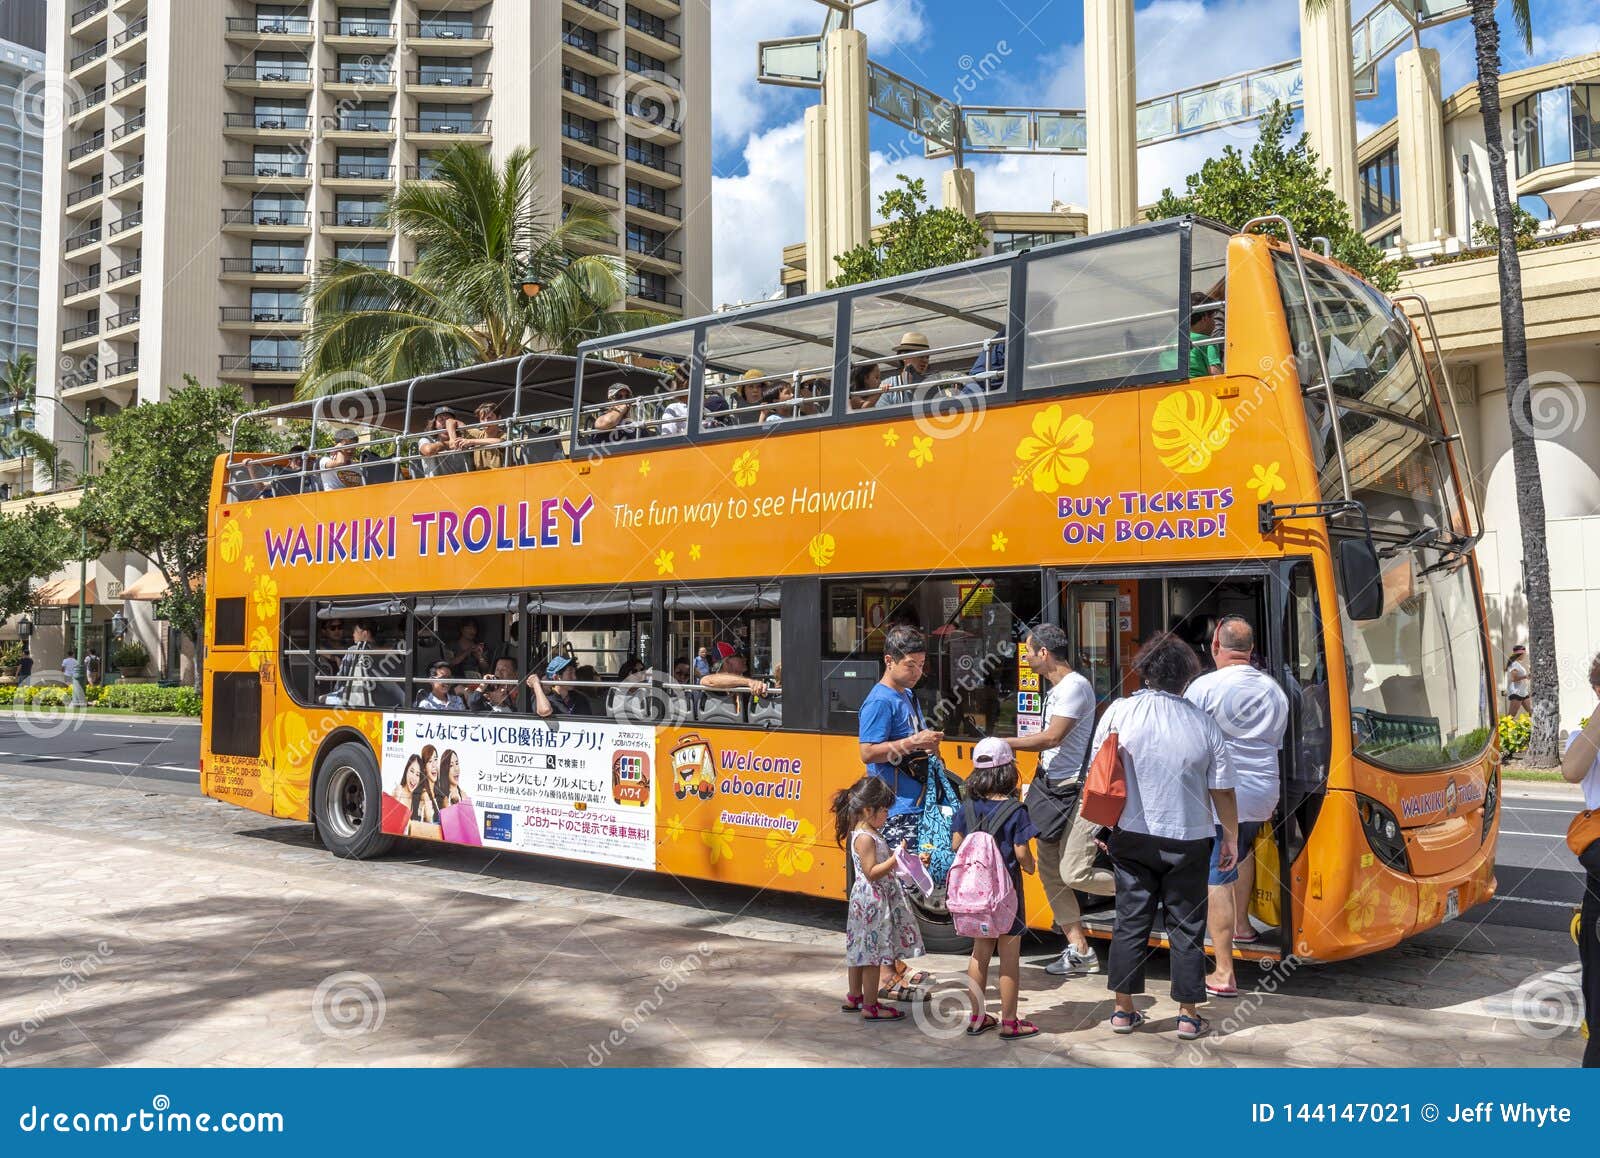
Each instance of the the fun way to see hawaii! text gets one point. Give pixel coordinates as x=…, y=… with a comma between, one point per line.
x=802, y=500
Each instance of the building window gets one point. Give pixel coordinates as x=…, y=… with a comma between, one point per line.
x=1380, y=188
x=1556, y=127
x=1007, y=242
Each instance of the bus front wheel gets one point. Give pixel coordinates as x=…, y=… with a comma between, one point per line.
x=348, y=806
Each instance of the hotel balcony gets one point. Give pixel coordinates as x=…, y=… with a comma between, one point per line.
x=588, y=148
x=263, y=319
x=644, y=165
x=88, y=19
x=87, y=69
x=123, y=372
x=266, y=222
x=658, y=258
x=261, y=368
x=353, y=128
x=89, y=110
x=127, y=179
x=656, y=213
x=666, y=9
x=269, y=77
x=125, y=44
x=654, y=122
x=80, y=338
x=575, y=186
x=452, y=38
x=650, y=34
x=82, y=240
x=600, y=245
x=265, y=126
x=587, y=100
x=81, y=290
x=86, y=199
x=124, y=276
x=267, y=271
x=129, y=134
x=122, y=325
x=272, y=31
x=360, y=225
x=448, y=87
x=262, y=174
x=438, y=132
x=120, y=229
x=596, y=14
x=358, y=34
x=586, y=53
x=366, y=80
x=662, y=301
x=358, y=175
x=130, y=86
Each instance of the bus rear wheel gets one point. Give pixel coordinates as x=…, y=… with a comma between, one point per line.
x=348, y=804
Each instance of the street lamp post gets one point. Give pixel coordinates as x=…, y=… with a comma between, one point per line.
x=83, y=422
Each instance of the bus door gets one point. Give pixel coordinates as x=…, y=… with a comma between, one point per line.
x=1092, y=611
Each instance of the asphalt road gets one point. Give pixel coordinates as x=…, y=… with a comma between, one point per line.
x=1539, y=879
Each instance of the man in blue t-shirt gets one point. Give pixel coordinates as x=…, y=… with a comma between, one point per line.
x=891, y=728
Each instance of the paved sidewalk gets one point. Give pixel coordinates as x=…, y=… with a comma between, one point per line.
x=152, y=929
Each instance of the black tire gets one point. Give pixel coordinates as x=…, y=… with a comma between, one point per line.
x=347, y=805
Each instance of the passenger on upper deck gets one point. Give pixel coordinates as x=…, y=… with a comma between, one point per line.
x=284, y=477
x=488, y=443
x=615, y=423
x=991, y=360
x=338, y=465
x=902, y=386
x=1205, y=323
x=469, y=656
x=438, y=447
x=749, y=395
x=782, y=404
x=675, y=411
x=562, y=699
x=865, y=386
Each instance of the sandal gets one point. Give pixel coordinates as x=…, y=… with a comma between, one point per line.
x=975, y=1026
x=1020, y=1028
x=852, y=1003
x=1198, y=1027
x=1222, y=991
x=1123, y=1021
x=904, y=976
x=876, y=1012
x=1249, y=940
x=903, y=992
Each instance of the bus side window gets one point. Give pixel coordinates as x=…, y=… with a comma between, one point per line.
x=1307, y=685
x=730, y=638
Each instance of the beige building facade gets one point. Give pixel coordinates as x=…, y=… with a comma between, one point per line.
x=212, y=153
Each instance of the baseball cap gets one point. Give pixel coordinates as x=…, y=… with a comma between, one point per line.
x=992, y=752
x=556, y=666
x=344, y=436
x=728, y=650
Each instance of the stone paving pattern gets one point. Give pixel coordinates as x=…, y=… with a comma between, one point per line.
x=155, y=928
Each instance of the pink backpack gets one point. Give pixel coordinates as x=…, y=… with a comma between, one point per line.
x=979, y=893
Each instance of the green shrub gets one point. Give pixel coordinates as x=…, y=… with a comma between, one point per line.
x=11, y=654
x=151, y=698
x=8, y=694
x=1515, y=732
x=132, y=654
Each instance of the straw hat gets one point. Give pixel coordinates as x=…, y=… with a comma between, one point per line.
x=912, y=340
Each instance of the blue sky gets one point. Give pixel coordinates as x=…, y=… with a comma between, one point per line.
x=1022, y=52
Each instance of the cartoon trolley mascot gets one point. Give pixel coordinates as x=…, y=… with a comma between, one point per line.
x=694, y=769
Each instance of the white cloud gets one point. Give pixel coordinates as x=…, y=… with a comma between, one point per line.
x=755, y=214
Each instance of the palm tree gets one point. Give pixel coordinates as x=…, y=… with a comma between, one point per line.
x=17, y=380
x=1519, y=398
x=480, y=238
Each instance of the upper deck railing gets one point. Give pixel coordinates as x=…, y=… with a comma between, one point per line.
x=1141, y=306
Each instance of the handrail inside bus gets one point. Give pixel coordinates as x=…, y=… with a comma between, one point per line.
x=1316, y=340
x=1475, y=512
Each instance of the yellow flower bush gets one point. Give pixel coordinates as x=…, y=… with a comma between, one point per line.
x=1052, y=456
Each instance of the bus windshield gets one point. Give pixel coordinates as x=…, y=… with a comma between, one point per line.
x=1418, y=684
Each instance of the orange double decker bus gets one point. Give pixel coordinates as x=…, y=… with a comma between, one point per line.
x=503, y=641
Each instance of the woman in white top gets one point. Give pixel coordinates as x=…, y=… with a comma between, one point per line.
x=1519, y=687
x=1581, y=765
x=1178, y=770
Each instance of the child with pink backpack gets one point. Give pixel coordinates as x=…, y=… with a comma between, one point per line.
x=990, y=835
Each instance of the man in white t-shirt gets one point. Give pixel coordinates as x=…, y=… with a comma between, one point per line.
x=1581, y=765
x=74, y=673
x=1253, y=713
x=1066, y=863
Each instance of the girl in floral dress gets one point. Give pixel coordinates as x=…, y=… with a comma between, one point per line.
x=881, y=927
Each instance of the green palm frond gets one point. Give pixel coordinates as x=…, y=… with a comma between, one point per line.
x=36, y=445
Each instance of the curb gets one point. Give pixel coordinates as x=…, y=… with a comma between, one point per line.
x=108, y=717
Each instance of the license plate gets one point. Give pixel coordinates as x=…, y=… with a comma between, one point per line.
x=1452, y=904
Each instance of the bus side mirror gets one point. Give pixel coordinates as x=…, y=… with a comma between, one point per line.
x=1360, y=579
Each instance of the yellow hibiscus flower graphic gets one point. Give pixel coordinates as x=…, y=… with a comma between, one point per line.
x=1266, y=481
x=745, y=469
x=1052, y=455
x=230, y=541
x=790, y=852
x=664, y=562
x=674, y=828
x=644, y=467
x=694, y=552
x=998, y=542
x=822, y=548
x=1397, y=906
x=921, y=450
x=1361, y=910
x=265, y=597
x=262, y=643
x=891, y=437
x=720, y=841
